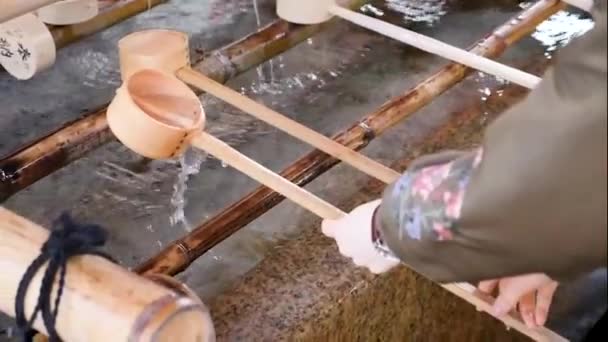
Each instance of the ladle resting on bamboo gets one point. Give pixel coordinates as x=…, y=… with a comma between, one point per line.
x=138, y=51
x=318, y=11
x=157, y=116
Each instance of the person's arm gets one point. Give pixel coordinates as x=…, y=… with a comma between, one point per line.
x=533, y=201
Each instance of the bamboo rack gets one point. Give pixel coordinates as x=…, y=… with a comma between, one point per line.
x=176, y=257
x=54, y=151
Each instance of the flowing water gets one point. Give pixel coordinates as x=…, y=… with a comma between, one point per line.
x=264, y=79
x=190, y=164
x=560, y=29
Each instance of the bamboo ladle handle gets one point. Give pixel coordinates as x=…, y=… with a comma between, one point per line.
x=437, y=47
x=253, y=169
x=295, y=129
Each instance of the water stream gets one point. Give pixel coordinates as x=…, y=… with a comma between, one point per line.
x=190, y=163
x=263, y=79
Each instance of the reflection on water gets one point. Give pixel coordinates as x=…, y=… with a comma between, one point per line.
x=560, y=29
x=426, y=11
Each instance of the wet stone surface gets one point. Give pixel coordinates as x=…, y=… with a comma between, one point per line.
x=326, y=83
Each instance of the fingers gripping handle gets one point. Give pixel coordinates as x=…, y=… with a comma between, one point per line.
x=485, y=302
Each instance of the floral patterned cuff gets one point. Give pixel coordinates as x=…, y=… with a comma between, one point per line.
x=430, y=199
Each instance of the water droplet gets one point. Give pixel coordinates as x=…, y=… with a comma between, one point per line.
x=371, y=9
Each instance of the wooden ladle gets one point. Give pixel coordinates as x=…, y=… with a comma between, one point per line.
x=158, y=116
x=26, y=46
x=318, y=11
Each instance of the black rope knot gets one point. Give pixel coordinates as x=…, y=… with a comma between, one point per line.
x=67, y=239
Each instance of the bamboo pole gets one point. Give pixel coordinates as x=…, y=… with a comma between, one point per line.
x=107, y=17
x=158, y=116
x=316, y=11
x=50, y=153
x=177, y=256
x=100, y=300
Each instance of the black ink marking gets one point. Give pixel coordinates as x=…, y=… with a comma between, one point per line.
x=24, y=53
x=5, y=48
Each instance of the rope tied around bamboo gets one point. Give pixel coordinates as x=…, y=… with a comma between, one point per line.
x=67, y=239
x=66, y=266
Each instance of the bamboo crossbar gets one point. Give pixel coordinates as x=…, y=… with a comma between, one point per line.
x=69, y=143
x=113, y=14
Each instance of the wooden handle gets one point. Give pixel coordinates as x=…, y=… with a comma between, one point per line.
x=289, y=126
x=101, y=301
x=438, y=48
x=251, y=168
x=10, y=9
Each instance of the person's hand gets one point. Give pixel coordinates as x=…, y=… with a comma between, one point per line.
x=533, y=292
x=353, y=234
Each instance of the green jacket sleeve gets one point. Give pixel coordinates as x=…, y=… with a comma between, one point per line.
x=531, y=199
